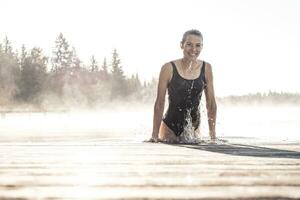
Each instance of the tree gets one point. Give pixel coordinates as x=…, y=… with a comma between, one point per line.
x=9, y=73
x=134, y=85
x=117, y=70
x=7, y=46
x=149, y=90
x=104, y=75
x=137, y=82
x=33, y=75
x=104, y=67
x=62, y=55
x=119, y=84
x=94, y=65
x=23, y=55
x=75, y=61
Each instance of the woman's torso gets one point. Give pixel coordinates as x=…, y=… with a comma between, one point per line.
x=184, y=97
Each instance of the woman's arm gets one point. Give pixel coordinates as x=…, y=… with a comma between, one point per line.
x=164, y=78
x=211, y=105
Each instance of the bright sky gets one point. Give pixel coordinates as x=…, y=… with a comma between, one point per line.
x=253, y=45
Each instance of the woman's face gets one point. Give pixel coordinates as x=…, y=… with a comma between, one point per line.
x=192, y=47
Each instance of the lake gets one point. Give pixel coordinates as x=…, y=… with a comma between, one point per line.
x=266, y=122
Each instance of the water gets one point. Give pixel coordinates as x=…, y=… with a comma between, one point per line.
x=270, y=123
x=267, y=122
x=189, y=135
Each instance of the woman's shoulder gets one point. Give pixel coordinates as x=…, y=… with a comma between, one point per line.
x=167, y=69
x=207, y=66
x=206, y=63
x=169, y=64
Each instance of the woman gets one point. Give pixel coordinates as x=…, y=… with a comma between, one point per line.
x=185, y=79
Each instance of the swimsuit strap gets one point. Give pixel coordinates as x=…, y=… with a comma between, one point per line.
x=174, y=68
x=203, y=68
x=203, y=72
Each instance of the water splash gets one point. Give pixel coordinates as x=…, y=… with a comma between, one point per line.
x=190, y=135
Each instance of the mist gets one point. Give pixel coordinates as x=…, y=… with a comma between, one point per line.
x=133, y=121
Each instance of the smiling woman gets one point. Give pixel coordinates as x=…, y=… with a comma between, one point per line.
x=185, y=79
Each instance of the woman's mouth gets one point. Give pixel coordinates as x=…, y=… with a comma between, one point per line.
x=193, y=54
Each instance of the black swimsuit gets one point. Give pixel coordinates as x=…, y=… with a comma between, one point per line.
x=184, y=97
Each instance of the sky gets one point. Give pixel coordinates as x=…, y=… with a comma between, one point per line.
x=252, y=45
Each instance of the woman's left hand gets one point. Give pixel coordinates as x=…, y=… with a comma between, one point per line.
x=152, y=139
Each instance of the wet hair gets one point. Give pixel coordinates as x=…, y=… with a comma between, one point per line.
x=191, y=32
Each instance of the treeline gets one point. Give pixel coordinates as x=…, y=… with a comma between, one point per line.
x=28, y=77
x=263, y=98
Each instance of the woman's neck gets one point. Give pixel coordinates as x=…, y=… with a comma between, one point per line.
x=188, y=64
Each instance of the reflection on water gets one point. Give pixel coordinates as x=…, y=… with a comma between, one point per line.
x=262, y=122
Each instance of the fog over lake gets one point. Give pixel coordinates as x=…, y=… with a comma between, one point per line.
x=265, y=122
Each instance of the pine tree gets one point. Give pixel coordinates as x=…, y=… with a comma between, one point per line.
x=75, y=61
x=9, y=73
x=138, y=84
x=23, y=55
x=62, y=55
x=104, y=67
x=103, y=72
x=134, y=85
x=94, y=65
x=33, y=75
x=7, y=46
x=117, y=70
x=119, y=84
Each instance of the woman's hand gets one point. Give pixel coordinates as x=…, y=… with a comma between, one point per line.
x=215, y=140
x=153, y=139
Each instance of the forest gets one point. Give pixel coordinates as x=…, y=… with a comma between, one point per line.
x=62, y=80
x=31, y=79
